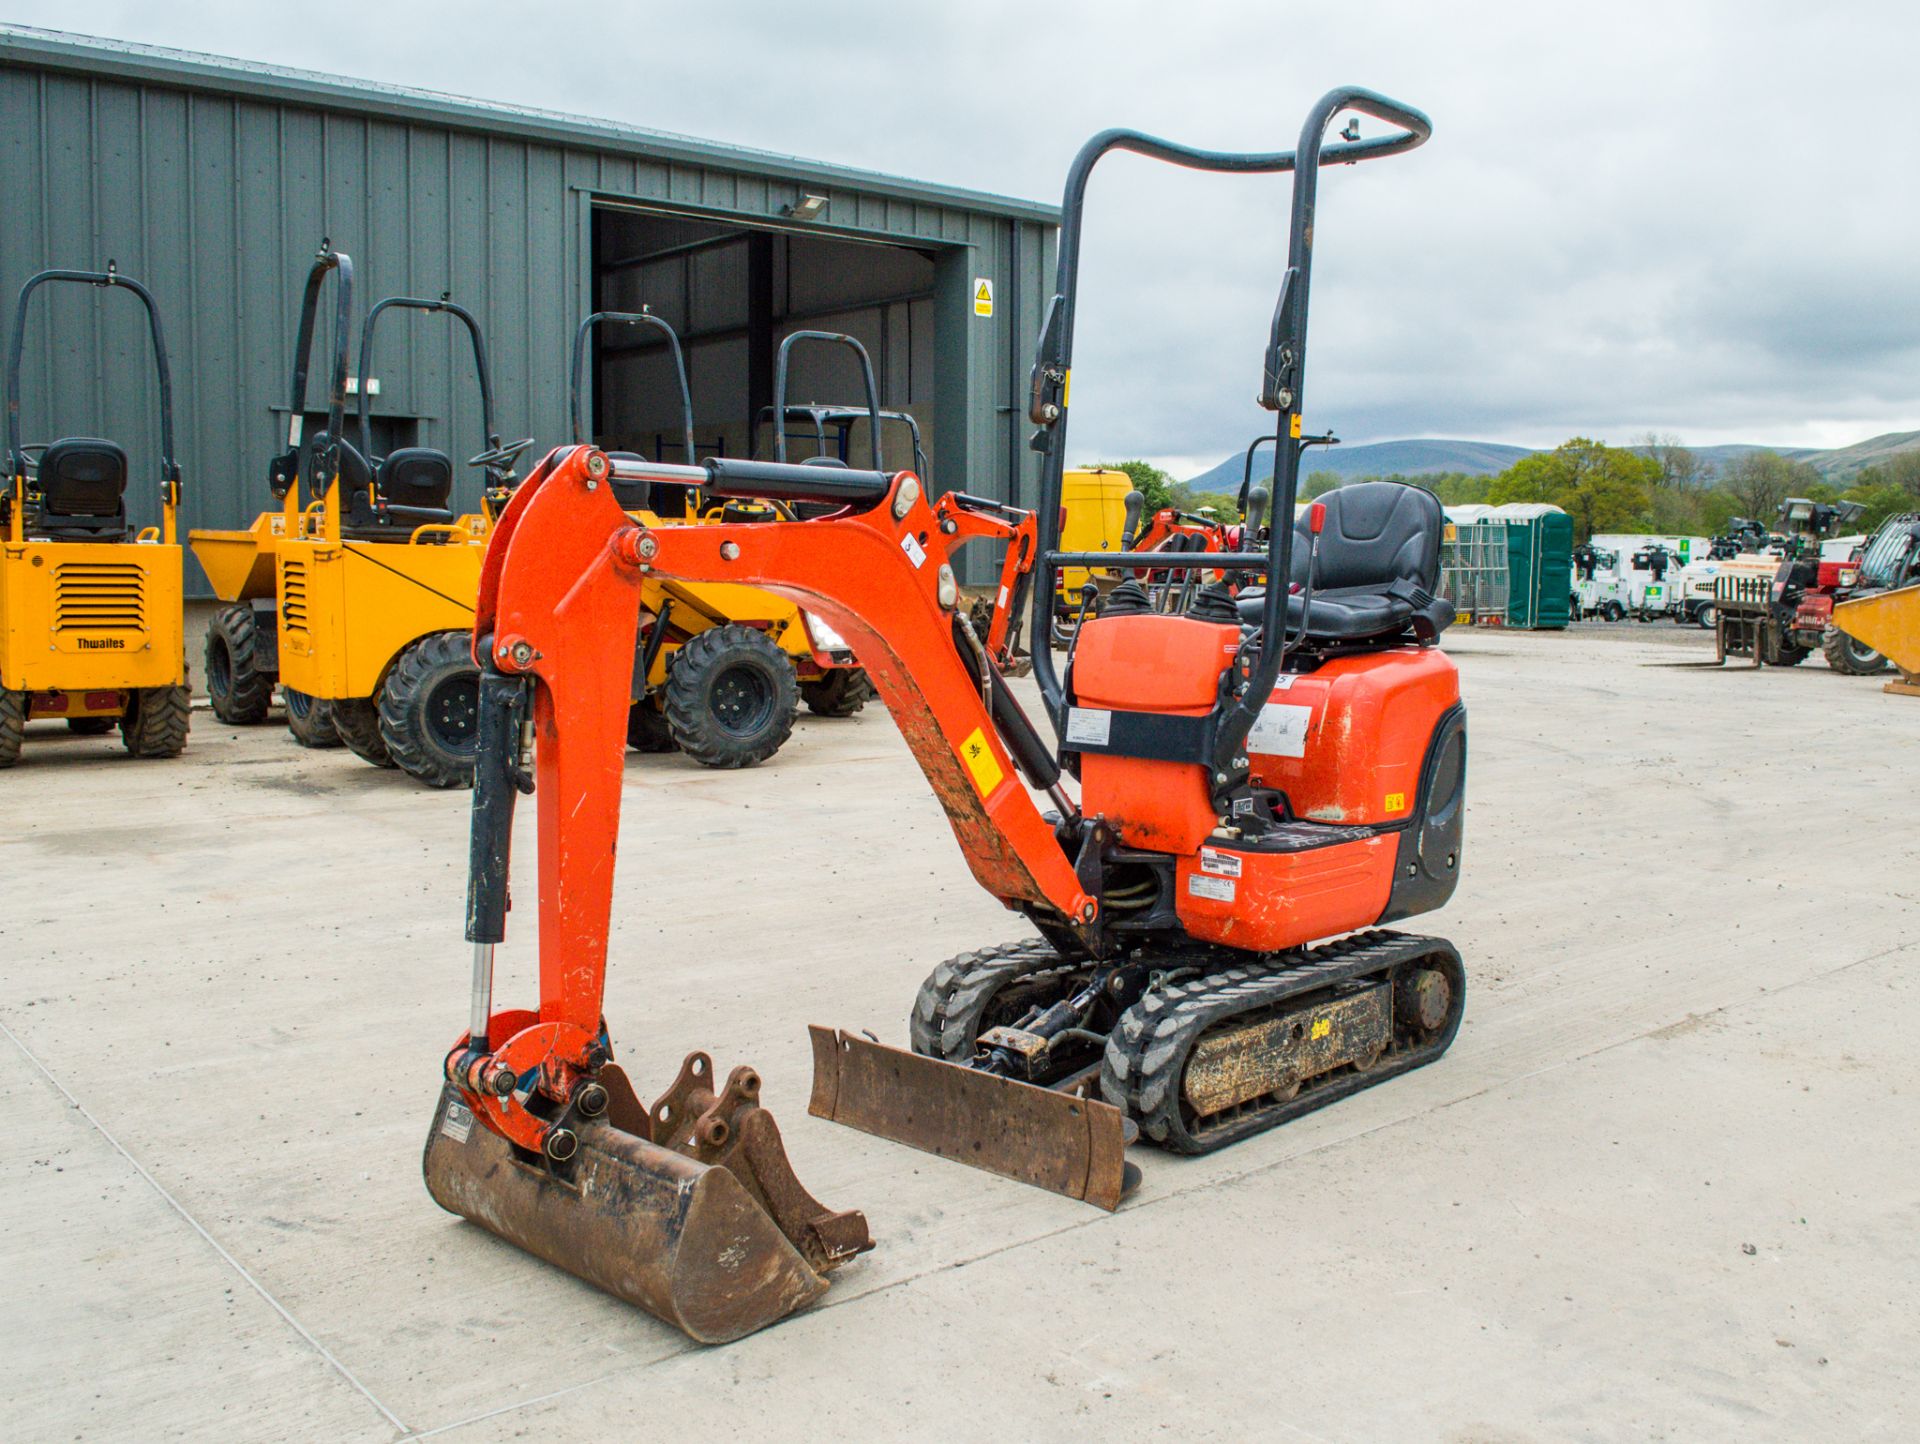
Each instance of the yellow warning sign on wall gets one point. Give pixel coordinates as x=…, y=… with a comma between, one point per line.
x=982, y=296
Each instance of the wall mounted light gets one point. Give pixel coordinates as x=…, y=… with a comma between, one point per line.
x=808, y=208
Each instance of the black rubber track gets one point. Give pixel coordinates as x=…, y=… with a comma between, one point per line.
x=237, y=689
x=1147, y=1052
x=966, y=995
x=357, y=721
x=13, y=726
x=309, y=719
x=429, y=710
x=841, y=693
x=714, y=671
x=155, y=724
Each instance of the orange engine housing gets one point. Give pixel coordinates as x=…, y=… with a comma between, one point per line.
x=1353, y=751
x=1345, y=743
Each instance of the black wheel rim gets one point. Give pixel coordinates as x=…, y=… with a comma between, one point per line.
x=742, y=700
x=453, y=713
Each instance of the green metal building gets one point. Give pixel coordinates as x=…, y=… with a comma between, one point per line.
x=214, y=181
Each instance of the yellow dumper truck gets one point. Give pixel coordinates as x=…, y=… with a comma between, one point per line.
x=90, y=610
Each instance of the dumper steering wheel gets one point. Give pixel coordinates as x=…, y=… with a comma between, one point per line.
x=501, y=458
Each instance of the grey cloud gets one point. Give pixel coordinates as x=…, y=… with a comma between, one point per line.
x=1692, y=217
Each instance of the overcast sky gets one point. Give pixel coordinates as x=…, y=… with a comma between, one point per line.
x=1697, y=218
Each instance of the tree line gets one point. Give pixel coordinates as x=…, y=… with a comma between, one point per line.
x=1656, y=486
x=1661, y=487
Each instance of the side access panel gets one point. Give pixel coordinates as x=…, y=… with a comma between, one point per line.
x=86, y=616
x=347, y=611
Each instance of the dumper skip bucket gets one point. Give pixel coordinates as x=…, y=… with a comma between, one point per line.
x=706, y=1228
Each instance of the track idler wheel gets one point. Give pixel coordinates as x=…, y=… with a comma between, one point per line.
x=688, y=1209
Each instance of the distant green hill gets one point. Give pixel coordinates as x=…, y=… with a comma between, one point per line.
x=1379, y=458
x=1483, y=458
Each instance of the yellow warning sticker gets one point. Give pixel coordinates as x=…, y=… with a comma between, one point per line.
x=1396, y=802
x=982, y=296
x=1066, y=390
x=977, y=753
x=1293, y=426
x=1321, y=1027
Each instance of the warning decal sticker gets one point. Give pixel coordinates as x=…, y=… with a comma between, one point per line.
x=981, y=763
x=982, y=296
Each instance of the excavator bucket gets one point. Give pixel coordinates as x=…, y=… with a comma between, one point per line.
x=688, y=1209
x=1054, y=1139
x=1889, y=622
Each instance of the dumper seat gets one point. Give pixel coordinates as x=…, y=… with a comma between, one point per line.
x=82, y=482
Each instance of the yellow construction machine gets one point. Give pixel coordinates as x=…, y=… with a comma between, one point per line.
x=1889, y=623
x=721, y=668
x=374, y=576
x=90, y=610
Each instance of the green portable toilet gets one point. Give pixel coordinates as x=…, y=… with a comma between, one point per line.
x=1539, y=563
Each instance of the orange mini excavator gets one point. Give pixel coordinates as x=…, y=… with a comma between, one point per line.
x=1232, y=784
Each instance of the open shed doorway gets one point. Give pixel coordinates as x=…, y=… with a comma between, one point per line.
x=733, y=293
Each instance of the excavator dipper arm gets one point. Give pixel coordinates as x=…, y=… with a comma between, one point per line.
x=689, y=1207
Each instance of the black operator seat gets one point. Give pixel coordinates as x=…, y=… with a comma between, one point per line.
x=1379, y=562
x=410, y=488
x=82, y=482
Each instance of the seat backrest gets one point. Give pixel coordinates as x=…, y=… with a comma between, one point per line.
x=1375, y=533
x=83, y=476
x=355, y=474
x=417, y=477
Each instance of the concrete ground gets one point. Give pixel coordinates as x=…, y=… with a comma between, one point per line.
x=1666, y=1185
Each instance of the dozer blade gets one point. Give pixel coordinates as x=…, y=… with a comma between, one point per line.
x=716, y=1248
x=1051, y=1139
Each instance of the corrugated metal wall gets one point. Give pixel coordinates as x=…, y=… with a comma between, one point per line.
x=217, y=196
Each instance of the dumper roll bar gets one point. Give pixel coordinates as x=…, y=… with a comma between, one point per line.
x=109, y=278
x=576, y=396
x=465, y=318
x=841, y=418
x=835, y=338
x=1281, y=391
x=284, y=468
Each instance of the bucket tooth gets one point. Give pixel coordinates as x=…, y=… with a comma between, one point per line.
x=1054, y=1140
x=716, y=1247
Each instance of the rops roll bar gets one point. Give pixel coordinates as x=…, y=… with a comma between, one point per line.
x=282, y=470
x=109, y=278
x=415, y=303
x=1281, y=390
x=836, y=338
x=577, y=391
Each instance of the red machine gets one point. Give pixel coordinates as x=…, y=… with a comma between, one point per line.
x=1254, y=773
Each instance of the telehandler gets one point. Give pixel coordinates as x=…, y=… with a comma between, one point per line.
x=90, y=612
x=1253, y=775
